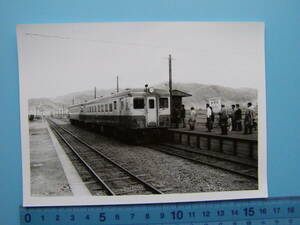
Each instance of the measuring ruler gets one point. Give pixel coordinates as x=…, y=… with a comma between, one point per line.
x=279, y=211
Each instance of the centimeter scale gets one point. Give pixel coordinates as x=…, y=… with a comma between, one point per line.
x=279, y=211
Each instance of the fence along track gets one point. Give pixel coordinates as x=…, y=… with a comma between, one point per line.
x=92, y=159
x=233, y=167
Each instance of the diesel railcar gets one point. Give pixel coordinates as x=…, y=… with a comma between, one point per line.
x=132, y=113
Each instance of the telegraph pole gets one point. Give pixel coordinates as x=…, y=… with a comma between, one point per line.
x=117, y=84
x=95, y=93
x=170, y=87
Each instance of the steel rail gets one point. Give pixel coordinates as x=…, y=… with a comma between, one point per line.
x=158, y=148
x=208, y=155
x=148, y=186
x=84, y=162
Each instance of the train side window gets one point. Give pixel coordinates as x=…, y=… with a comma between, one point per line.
x=102, y=108
x=110, y=107
x=163, y=103
x=115, y=105
x=106, y=108
x=98, y=108
x=151, y=104
x=138, y=103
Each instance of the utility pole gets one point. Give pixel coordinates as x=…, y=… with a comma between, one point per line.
x=117, y=84
x=170, y=87
x=95, y=92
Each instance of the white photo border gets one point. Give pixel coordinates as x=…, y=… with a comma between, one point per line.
x=28, y=200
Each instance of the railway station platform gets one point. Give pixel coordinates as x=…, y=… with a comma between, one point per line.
x=235, y=143
x=51, y=172
x=217, y=131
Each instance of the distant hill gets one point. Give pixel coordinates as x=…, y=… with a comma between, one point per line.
x=82, y=96
x=202, y=92
x=38, y=105
x=200, y=95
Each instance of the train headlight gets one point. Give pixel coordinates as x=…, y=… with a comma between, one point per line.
x=151, y=90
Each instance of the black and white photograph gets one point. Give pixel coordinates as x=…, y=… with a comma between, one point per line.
x=142, y=112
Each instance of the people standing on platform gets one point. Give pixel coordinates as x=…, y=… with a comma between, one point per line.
x=249, y=118
x=192, y=120
x=208, y=118
x=232, y=116
x=238, y=118
x=182, y=116
x=212, y=117
x=223, y=120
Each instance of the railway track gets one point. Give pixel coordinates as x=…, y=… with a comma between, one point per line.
x=113, y=177
x=245, y=170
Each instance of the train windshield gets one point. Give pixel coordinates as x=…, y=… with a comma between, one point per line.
x=163, y=103
x=138, y=103
x=151, y=104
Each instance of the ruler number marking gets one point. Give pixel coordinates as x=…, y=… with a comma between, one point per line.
x=177, y=215
x=102, y=217
x=192, y=214
x=263, y=211
x=221, y=213
x=249, y=211
x=291, y=209
x=234, y=212
x=276, y=210
x=206, y=213
x=72, y=217
x=27, y=217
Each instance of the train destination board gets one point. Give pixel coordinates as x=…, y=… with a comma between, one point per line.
x=145, y=112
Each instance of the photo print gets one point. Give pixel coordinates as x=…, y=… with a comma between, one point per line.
x=142, y=112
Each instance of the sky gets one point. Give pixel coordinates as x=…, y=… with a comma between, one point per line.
x=57, y=59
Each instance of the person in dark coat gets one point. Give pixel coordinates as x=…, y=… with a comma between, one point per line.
x=238, y=118
x=232, y=116
x=212, y=117
x=182, y=116
x=223, y=120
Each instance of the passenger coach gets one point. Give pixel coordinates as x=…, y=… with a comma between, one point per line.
x=125, y=112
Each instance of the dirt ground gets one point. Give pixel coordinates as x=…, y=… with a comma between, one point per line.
x=47, y=176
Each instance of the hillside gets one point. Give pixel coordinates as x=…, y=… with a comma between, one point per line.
x=200, y=95
x=202, y=92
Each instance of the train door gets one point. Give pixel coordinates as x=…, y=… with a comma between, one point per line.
x=151, y=112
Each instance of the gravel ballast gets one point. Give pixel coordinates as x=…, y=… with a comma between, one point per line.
x=168, y=173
